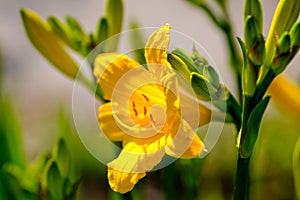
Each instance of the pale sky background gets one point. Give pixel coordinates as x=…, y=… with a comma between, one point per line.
x=38, y=90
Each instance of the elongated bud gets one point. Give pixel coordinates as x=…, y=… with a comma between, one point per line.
x=199, y=61
x=254, y=8
x=210, y=73
x=286, y=14
x=201, y=86
x=249, y=80
x=295, y=34
x=86, y=45
x=63, y=32
x=75, y=26
x=281, y=61
x=179, y=65
x=257, y=53
x=114, y=16
x=186, y=59
x=101, y=32
x=47, y=43
x=284, y=43
x=248, y=74
x=251, y=31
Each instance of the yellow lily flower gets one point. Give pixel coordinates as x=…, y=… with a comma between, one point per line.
x=147, y=112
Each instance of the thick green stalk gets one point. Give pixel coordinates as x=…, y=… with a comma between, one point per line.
x=242, y=179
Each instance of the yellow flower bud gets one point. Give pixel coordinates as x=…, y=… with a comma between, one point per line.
x=47, y=43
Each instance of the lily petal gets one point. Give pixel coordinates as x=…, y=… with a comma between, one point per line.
x=185, y=142
x=195, y=113
x=109, y=68
x=131, y=165
x=157, y=46
x=107, y=123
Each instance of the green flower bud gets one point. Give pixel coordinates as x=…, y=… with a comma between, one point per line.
x=284, y=43
x=257, y=53
x=254, y=8
x=101, y=32
x=249, y=80
x=282, y=60
x=179, y=65
x=63, y=32
x=87, y=45
x=185, y=58
x=75, y=26
x=251, y=32
x=199, y=61
x=210, y=73
x=114, y=16
x=286, y=14
x=295, y=34
x=47, y=43
x=202, y=86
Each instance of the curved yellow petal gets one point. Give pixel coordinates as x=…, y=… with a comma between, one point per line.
x=185, y=142
x=157, y=46
x=130, y=166
x=193, y=112
x=109, y=68
x=122, y=182
x=286, y=94
x=107, y=123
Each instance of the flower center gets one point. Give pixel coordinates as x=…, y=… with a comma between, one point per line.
x=147, y=106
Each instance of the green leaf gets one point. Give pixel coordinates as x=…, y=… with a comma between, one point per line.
x=11, y=144
x=46, y=42
x=252, y=128
x=25, y=181
x=200, y=86
x=296, y=167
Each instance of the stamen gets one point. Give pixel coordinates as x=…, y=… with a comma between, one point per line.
x=145, y=97
x=133, y=104
x=152, y=120
x=145, y=110
x=135, y=112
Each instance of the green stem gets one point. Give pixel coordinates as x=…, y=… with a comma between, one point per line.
x=234, y=109
x=242, y=179
x=262, y=88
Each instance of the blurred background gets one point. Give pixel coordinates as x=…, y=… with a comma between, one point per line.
x=38, y=91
